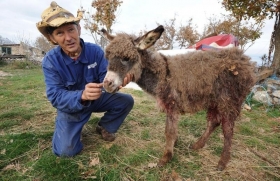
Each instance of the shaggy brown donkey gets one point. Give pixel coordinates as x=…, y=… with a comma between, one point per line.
x=217, y=81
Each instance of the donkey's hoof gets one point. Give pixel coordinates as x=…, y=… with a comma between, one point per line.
x=176, y=142
x=197, y=146
x=221, y=167
x=161, y=163
x=194, y=147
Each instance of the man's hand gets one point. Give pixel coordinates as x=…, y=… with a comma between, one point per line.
x=128, y=78
x=92, y=91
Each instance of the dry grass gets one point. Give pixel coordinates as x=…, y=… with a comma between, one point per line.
x=140, y=143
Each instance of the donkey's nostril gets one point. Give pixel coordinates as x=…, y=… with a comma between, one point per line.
x=110, y=83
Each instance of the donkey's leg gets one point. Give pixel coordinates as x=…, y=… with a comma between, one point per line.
x=171, y=131
x=212, y=122
x=227, y=126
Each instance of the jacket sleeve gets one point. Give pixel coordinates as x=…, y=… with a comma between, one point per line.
x=60, y=97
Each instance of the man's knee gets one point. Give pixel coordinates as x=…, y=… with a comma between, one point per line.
x=68, y=146
x=129, y=101
x=66, y=150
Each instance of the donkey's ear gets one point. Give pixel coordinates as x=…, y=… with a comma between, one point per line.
x=149, y=38
x=107, y=35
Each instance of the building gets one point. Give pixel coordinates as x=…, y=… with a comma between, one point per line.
x=16, y=51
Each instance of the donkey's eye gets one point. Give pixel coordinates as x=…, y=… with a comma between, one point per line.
x=126, y=59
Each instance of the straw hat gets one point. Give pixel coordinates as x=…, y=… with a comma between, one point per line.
x=55, y=16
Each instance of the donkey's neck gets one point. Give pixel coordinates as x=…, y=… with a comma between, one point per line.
x=154, y=71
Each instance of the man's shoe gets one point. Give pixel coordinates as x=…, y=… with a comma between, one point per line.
x=105, y=134
x=99, y=129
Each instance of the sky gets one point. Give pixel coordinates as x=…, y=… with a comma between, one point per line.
x=18, y=18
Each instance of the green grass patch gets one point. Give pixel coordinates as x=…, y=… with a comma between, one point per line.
x=50, y=167
x=6, y=124
x=274, y=112
x=16, y=146
x=254, y=142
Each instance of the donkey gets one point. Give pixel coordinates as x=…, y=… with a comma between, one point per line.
x=216, y=81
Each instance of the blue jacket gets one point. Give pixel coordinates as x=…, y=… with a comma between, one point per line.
x=65, y=78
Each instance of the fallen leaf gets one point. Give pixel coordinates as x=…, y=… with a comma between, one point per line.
x=261, y=130
x=92, y=177
x=108, y=145
x=93, y=162
x=221, y=136
x=9, y=167
x=80, y=166
x=152, y=165
x=57, y=160
x=246, y=119
x=3, y=152
x=175, y=176
x=88, y=174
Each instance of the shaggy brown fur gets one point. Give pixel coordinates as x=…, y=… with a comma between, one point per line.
x=217, y=81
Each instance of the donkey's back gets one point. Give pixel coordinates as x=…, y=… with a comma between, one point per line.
x=203, y=77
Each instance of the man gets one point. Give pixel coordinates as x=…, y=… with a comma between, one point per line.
x=74, y=72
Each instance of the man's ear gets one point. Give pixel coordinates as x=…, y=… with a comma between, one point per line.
x=149, y=39
x=79, y=29
x=52, y=39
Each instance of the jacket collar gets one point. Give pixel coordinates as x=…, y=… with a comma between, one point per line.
x=82, y=58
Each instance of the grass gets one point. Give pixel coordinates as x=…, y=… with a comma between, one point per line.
x=27, y=123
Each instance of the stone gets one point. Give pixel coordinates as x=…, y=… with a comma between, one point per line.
x=263, y=97
x=276, y=93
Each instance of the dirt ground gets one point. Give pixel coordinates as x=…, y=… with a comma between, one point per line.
x=2, y=74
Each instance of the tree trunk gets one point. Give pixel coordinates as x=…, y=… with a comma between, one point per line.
x=276, y=57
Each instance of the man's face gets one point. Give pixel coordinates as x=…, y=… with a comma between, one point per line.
x=68, y=37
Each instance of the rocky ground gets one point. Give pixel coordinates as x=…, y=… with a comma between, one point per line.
x=268, y=91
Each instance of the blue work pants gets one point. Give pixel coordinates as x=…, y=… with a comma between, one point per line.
x=68, y=126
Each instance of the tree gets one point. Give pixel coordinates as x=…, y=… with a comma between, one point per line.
x=2, y=41
x=104, y=15
x=5, y=40
x=167, y=39
x=43, y=44
x=259, y=10
x=26, y=44
x=187, y=35
x=183, y=37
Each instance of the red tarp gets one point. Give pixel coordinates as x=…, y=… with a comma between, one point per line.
x=219, y=41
